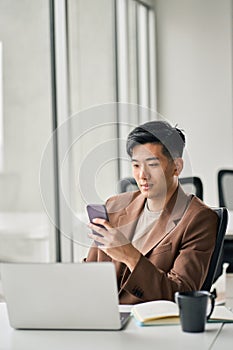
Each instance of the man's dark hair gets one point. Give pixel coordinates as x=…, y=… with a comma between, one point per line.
x=158, y=132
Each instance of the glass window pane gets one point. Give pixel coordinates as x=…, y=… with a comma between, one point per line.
x=26, y=233
x=143, y=57
x=1, y=112
x=92, y=157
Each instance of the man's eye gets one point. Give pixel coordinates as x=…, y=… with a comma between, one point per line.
x=154, y=164
x=135, y=165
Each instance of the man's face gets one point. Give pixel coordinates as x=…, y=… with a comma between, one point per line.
x=155, y=174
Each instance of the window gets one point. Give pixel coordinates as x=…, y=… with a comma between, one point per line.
x=1, y=112
x=88, y=71
x=25, y=125
x=136, y=73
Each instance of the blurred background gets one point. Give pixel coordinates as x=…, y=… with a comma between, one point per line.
x=75, y=77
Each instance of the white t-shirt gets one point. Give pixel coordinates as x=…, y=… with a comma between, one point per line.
x=146, y=221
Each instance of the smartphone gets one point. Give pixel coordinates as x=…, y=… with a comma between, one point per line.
x=97, y=211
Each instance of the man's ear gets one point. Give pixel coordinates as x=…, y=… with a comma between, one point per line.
x=178, y=166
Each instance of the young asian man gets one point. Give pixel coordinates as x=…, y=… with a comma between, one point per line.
x=159, y=238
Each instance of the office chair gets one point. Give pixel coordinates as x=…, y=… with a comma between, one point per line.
x=189, y=184
x=225, y=195
x=192, y=184
x=225, y=188
x=127, y=184
x=215, y=268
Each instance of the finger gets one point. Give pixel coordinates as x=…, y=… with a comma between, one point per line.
x=97, y=238
x=102, y=222
x=97, y=228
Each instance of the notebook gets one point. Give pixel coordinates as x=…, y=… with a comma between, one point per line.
x=62, y=296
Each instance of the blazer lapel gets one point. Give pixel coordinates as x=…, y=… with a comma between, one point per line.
x=127, y=221
x=168, y=220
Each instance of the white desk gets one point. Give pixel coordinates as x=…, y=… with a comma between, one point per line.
x=216, y=336
x=132, y=337
x=224, y=340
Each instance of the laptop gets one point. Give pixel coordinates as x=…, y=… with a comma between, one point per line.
x=62, y=296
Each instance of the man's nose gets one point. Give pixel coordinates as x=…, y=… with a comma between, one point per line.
x=144, y=174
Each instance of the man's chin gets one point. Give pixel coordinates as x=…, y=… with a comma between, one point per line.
x=146, y=194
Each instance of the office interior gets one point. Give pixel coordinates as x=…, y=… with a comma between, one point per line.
x=75, y=77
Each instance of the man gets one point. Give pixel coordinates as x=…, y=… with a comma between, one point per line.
x=160, y=239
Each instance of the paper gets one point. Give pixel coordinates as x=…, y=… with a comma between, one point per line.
x=157, y=312
x=164, y=312
x=221, y=314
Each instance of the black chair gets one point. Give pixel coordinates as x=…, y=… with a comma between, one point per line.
x=127, y=184
x=225, y=188
x=215, y=268
x=192, y=184
x=225, y=195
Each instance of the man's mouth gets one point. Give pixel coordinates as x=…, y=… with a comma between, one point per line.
x=145, y=187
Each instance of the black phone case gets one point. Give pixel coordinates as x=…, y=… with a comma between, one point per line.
x=97, y=211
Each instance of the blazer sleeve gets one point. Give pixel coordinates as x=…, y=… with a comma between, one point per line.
x=189, y=267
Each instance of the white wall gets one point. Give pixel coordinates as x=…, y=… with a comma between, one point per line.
x=194, y=39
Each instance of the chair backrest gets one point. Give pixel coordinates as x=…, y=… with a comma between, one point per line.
x=215, y=268
x=127, y=184
x=192, y=184
x=225, y=188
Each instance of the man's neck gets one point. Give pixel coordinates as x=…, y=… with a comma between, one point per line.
x=158, y=204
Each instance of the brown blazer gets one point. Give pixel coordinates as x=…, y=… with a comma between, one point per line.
x=176, y=252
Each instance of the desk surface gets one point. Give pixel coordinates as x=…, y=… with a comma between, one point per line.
x=216, y=336
x=224, y=340
x=132, y=337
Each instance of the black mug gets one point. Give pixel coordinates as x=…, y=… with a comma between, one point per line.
x=193, y=309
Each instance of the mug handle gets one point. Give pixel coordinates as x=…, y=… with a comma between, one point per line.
x=212, y=298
